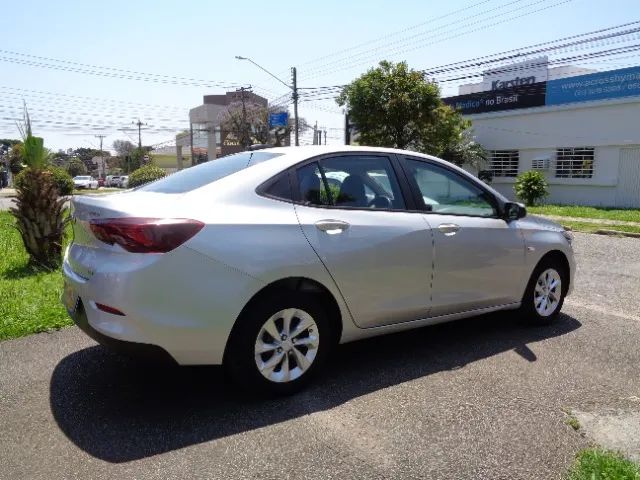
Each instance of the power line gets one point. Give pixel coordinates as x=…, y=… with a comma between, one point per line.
x=403, y=49
x=105, y=71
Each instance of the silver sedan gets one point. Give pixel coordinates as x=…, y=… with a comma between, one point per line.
x=263, y=261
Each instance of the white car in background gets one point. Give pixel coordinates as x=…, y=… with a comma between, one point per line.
x=123, y=182
x=85, y=181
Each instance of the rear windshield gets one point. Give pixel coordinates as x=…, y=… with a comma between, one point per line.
x=205, y=173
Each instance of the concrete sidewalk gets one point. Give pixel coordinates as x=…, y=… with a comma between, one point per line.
x=7, y=192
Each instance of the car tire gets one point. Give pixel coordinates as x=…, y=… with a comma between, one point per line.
x=241, y=362
x=543, y=298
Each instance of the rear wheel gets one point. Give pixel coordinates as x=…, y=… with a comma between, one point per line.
x=279, y=344
x=545, y=293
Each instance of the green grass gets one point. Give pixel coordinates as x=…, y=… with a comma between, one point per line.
x=104, y=191
x=592, y=227
x=606, y=213
x=598, y=464
x=29, y=300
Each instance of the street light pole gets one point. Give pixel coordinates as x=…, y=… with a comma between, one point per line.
x=294, y=89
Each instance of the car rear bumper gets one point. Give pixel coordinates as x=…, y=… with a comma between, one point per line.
x=182, y=302
x=139, y=350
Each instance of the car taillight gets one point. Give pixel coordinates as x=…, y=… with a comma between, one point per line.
x=145, y=235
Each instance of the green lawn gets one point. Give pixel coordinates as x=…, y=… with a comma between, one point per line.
x=104, y=191
x=598, y=464
x=624, y=214
x=592, y=227
x=29, y=301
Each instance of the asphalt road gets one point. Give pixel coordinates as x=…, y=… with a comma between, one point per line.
x=480, y=399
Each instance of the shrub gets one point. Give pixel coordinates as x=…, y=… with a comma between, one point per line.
x=531, y=187
x=145, y=174
x=62, y=179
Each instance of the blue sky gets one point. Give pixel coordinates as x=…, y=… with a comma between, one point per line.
x=199, y=39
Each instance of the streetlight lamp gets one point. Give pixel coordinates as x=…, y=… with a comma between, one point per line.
x=293, y=87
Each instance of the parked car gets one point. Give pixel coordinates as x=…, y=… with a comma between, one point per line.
x=85, y=182
x=256, y=262
x=123, y=182
x=101, y=182
x=112, y=180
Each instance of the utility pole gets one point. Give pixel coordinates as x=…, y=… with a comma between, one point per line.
x=295, y=103
x=101, y=137
x=347, y=130
x=245, y=130
x=191, y=143
x=139, y=124
x=325, y=137
x=315, y=133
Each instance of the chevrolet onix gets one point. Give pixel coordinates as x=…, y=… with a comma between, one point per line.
x=263, y=261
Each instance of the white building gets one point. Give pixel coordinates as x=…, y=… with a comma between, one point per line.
x=582, y=131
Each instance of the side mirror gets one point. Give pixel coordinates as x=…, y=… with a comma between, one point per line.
x=514, y=211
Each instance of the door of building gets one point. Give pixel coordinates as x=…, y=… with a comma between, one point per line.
x=628, y=191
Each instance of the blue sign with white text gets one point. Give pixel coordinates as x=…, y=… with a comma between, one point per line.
x=594, y=86
x=279, y=119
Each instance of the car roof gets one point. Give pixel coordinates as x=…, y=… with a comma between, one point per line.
x=292, y=155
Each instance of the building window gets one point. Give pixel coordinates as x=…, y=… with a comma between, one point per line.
x=504, y=163
x=575, y=162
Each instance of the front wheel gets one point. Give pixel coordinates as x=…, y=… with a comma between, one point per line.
x=279, y=344
x=545, y=293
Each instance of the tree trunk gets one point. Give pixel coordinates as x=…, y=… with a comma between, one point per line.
x=39, y=214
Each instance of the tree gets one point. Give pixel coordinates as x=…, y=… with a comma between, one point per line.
x=251, y=124
x=15, y=158
x=76, y=167
x=123, y=147
x=39, y=210
x=465, y=150
x=394, y=106
x=245, y=122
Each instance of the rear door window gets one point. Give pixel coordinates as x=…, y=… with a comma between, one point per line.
x=205, y=173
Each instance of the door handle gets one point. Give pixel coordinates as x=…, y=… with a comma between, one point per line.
x=448, y=229
x=332, y=227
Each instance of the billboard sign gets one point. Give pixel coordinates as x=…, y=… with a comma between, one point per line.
x=279, y=119
x=594, y=86
x=522, y=96
x=517, y=74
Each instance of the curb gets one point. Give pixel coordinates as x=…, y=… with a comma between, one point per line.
x=617, y=233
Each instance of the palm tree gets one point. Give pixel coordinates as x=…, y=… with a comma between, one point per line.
x=39, y=209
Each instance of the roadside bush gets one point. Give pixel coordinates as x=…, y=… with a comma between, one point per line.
x=145, y=174
x=531, y=187
x=60, y=176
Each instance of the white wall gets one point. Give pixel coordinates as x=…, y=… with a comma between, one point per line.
x=537, y=132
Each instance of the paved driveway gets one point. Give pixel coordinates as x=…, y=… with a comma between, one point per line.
x=6, y=202
x=481, y=398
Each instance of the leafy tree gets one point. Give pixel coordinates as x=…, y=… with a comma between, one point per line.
x=76, y=167
x=395, y=106
x=531, y=187
x=123, y=147
x=15, y=158
x=39, y=210
x=251, y=125
x=465, y=150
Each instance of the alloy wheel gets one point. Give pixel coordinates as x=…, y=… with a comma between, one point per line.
x=287, y=345
x=548, y=292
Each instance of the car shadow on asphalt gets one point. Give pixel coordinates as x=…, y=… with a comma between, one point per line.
x=119, y=410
